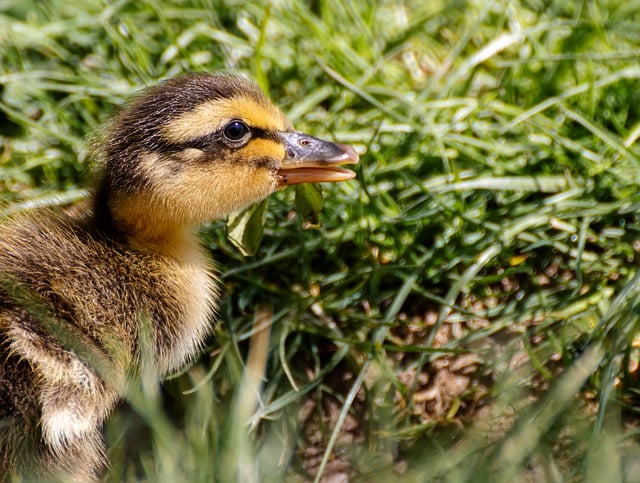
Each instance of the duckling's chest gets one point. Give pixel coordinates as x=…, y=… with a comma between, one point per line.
x=113, y=293
x=182, y=300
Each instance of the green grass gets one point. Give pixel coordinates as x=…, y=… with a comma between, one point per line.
x=467, y=308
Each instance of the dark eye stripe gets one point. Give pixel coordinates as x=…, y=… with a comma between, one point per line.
x=216, y=138
x=259, y=133
x=202, y=142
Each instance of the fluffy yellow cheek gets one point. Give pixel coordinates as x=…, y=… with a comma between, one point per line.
x=196, y=193
x=201, y=195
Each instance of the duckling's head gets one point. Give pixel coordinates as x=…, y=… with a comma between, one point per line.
x=200, y=147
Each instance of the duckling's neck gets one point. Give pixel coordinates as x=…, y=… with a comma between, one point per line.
x=138, y=222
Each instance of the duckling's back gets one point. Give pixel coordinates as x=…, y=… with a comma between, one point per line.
x=75, y=306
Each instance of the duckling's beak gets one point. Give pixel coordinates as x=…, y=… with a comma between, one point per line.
x=313, y=160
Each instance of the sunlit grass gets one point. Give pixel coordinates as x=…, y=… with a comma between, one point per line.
x=494, y=218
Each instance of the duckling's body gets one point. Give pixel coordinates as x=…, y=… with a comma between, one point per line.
x=81, y=294
x=102, y=292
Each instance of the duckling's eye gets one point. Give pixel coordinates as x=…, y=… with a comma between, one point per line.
x=236, y=131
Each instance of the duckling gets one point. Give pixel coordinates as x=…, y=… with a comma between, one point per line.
x=83, y=294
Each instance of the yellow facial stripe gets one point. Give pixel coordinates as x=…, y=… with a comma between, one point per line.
x=260, y=149
x=214, y=115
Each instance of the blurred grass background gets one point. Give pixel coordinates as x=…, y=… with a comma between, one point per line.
x=467, y=308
